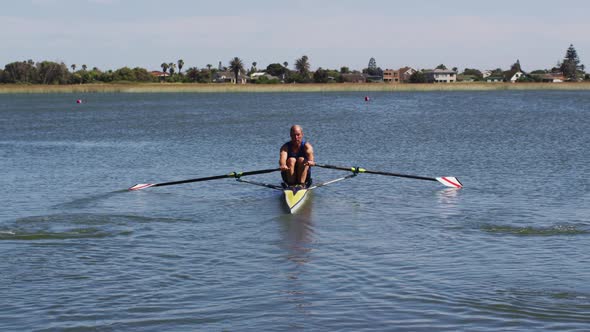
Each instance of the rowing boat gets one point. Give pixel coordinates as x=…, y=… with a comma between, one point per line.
x=295, y=196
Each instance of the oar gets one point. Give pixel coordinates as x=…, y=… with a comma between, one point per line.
x=449, y=181
x=216, y=177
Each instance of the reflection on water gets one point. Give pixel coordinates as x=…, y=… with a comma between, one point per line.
x=88, y=201
x=448, y=200
x=298, y=232
x=298, y=235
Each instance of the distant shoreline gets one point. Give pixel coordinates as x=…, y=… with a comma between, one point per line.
x=330, y=87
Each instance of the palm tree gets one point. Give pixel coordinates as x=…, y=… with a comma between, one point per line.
x=286, y=64
x=209, y=66
x=164, y=66
x=302, y=66
x=236, y=65
x=73, y=67
x=84, y=67
x=180, y=65
x=172, y=67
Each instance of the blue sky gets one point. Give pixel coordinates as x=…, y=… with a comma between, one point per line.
x=110, y=34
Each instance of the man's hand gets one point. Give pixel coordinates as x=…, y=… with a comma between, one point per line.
x=283, y=167
x=310, y=163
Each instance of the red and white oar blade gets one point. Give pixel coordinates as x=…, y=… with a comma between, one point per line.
x=141, y=186
x=450, y=181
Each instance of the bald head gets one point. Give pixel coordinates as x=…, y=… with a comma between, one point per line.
x=296, y=128
x=296, y=134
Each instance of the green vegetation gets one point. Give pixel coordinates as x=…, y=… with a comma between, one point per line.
x=28, y=73
x=570, y=66
x=236, y=66
x=254, y=88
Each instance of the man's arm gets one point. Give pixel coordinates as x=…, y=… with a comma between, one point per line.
x=283, y=158
x=309, y=155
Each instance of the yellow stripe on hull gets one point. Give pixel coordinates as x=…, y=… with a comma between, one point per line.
x=295, y=199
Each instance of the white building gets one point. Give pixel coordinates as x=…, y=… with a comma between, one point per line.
x=441, y=76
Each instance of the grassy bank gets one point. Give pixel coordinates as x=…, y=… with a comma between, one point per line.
x=334, y=87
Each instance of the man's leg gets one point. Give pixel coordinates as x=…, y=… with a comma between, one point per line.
x=289, y=175
x=301, y=170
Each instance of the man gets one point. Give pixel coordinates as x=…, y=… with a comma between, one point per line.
x=296, y=158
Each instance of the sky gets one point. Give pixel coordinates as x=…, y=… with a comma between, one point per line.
x=110, y=34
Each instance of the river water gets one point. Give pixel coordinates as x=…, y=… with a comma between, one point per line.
x=509, y=251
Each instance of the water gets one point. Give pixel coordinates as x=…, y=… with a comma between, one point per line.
x=373, y=253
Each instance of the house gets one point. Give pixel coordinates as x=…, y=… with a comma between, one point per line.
x=257, y=75
x=486, y=73
x=405, y=73
x=440, y=76
x=513, y=75
x=494, y=79
x=556, y=77
x=466, y=78
x=391, y=76
x=228, y=77
x=354, y=78
x=160, y=74
x=374, y=78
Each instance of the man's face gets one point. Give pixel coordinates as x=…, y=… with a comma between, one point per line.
x=296, y=135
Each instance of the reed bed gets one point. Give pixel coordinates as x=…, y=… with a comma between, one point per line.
x=233, y=88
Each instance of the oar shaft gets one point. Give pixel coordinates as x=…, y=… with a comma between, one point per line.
x=400, y=175
x=193, y=180
x=216, y=177
x=362, y=170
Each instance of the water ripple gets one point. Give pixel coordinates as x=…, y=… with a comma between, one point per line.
x=74, y=226
x=556, y=230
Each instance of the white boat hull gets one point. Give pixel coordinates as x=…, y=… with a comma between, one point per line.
x=295, y=197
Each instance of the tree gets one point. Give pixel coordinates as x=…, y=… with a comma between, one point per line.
x=516, y=66
x=418, y=77
x=180, y=65
x=276, y=69
x=73, y=67
x=302, y=66
x=372, y=67
x=124, y=74
x=320, y=76
x=373, y=70
x=344, y=70
x=441, y=66
x=52, y=72
x=497, y=72
x=20, y=72
x=164, y=66
x=286, y=64
x=84, y=67
x=473, y=72
x=142, y=75
x=570, y=67
x=171, y=68
x=236, y=66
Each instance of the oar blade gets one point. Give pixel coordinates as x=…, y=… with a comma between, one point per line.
x=140, y=186
x=450, y=181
